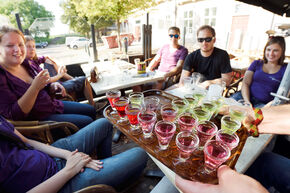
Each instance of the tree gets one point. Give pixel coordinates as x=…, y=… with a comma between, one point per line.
x=80, y=23
x=28, y=11
x=117, y=10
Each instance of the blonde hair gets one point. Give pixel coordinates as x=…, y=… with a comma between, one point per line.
x=7, y=29
x=30, y=38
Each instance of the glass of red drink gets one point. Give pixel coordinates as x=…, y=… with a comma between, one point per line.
x=120, y=106
x=187, y=121
x=186, y=143
x=132, y=111
x=231, y=141
x=215, y=153
x=205, y=131
x=147, y=120
x=169, y=112
x=112, y=96
x=164, y=131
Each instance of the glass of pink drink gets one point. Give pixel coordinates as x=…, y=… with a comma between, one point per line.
x=215, y=153
x=169, y=112
x=132, y=111
x=186, y=143
x=120, y=105
x=187, y=121
x=164, y=131
x=205, y=131
x=231, y=141
x=112, y=96
x=147, y=120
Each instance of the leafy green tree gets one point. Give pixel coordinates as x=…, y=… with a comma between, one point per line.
x=80, y=23
x=28, y=11
x=117, y=10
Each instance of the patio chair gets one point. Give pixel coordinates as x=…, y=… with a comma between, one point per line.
x=99, y=188
x=235, y=86
x=41, y=130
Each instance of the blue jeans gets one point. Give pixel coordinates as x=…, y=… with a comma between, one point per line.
x=117, y=171
x=255, y=102
x=77, y=113
x=271, y=169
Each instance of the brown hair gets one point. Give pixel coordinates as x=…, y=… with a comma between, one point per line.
x=30, y=38
x=175, y=29
x=7, y=29
x=207, y=27
x=276, y=40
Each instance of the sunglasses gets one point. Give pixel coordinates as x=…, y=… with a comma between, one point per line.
x=174, y=35
x=207, y=39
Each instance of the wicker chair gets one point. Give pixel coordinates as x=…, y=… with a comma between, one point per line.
x=41, y=130
x=99, y=188
x=235, y=86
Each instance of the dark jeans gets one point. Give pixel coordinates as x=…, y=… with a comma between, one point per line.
x=77, y=113
x=255, y=102
x=271, y=169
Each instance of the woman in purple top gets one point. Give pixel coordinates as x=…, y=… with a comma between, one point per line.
x=25, y=89
x=264, y=76
x=65, y=166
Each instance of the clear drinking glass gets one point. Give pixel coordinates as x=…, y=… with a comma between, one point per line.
x=205, y=131
x=132, y=111
x=186, y=143
x=187, y=83
x=229, y=124
x=120, y=105
x=151, y=103
x=215, y=153
x=192, y=101
x=136, y=98
x=169, y=112
x=147, y=120
x=231, y=141
x=180, y=104
x=112, y=96
x=187, y=121
x=201, y=114
x=164, y=131
x=196, y=77
x=199, y=94
x=209, y=106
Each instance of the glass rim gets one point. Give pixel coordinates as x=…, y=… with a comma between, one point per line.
x=231, y=119
x=121, y=99
x=148, y=112
x=168, y=122
x=183, y=100
x=191, y=115
x=116, y=91
x=136, y=93
x=228, y=150
x=206, y=122
x=190, y=133
x=219, y=132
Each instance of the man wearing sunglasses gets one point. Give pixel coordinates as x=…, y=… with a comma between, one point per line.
x=212, y=62
x=170, y=58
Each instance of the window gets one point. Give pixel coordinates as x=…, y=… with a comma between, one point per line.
x=210, y=16
x=188, y=20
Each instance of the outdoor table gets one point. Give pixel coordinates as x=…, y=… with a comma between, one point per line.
x=118, y=75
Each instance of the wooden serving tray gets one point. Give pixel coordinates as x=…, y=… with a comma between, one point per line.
x=193, y=168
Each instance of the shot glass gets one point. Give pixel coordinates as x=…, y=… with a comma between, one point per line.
x=199, y=94
x=201, y=114
x=209, y=106
x=151, y=103
x=229, y=124
x=205, y=131
x=112, y=96
x=192, y=101
x=186, y=143
x=215, y=153
x=180, y=104
x=169, y=112
x=187, y=121
x=164, y=131
x=120, y=105
x=136, y=98
x=132, y=111
x=196, y=77
x=147, y=120
x=187, y=83
x=231, y=141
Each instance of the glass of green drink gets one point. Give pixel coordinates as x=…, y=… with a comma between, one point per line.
x=229, y=124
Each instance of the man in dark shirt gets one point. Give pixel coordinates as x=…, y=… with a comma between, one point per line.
x=212, y=62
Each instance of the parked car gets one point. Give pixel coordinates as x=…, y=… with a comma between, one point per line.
x=68, y=40
x=41, y=44
x=80, y=42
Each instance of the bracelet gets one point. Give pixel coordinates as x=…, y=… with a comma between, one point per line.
x=254, y=131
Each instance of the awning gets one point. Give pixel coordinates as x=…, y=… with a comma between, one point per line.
x=279, y=7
